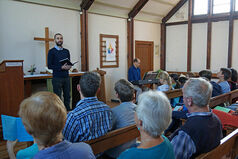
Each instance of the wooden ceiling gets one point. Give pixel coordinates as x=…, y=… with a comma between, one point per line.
x=153, y=11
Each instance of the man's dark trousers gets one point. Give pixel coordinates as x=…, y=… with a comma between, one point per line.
x=60, y=84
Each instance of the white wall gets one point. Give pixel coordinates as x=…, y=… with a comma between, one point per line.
x=176, y=48
x=235, y=46
x=21, y=22
x=199, y=47
x=219, y=45
x=98, y=24
x=151, y=33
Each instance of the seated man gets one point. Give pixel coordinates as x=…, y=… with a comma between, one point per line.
x=202, y=131
x=134, y=75
x=223, y=76
x=216, y=88
x=44, y=117
x=123, y=114
x=91, y=118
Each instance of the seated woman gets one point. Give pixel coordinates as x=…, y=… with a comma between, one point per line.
x=123, y=114
x=165, y=80
x=44, y=117
x=152, y=117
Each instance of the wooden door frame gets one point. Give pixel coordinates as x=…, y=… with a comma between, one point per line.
x=150, y=43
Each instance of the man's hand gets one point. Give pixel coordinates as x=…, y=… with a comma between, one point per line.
x=66, y=67
x=236, y=112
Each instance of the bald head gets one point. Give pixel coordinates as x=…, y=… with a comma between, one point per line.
x=136, y=62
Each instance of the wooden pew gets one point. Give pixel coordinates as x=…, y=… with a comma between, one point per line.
x=114, y=138
x=123, y=135
x=214, y=75
x=174, y=93
x=227, y=97
x=228, y=145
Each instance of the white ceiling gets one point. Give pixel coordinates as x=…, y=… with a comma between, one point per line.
x=153, y=11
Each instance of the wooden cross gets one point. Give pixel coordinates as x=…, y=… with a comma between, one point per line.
x=47, y=42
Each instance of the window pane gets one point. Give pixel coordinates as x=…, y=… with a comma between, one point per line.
x=221, y=6
x=200, y=7
x=236, y=9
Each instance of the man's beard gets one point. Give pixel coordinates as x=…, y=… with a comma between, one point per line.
x=59, y=43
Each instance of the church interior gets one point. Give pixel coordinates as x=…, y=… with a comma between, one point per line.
x=177, y=36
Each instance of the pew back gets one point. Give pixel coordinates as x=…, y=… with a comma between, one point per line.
x=114, y=138
x=227, y=97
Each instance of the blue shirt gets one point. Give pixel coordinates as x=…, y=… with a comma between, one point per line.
x=134, y=74
x=28, y=152
x=161, y=151
x=183, y=144
x=66, y=150
x=54, y=56
x=225, y=87
x=216, y=89
x=163, y=88
x=89, y=120
x=123, y=115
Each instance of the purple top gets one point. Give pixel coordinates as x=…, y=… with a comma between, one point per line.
x=66, y=150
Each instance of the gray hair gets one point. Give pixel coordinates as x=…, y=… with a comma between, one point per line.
x=125, y=90
x=199, y=90
x=154, y=111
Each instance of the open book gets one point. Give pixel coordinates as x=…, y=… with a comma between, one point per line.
x=13, y=129
x=66, y=60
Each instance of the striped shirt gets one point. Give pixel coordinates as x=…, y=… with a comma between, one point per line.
x=89, y=120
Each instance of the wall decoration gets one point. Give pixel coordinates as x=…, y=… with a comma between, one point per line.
x=109, y=51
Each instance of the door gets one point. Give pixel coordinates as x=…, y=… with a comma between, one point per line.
x=144, y=50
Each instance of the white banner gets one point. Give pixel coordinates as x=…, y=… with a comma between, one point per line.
x=110, y=49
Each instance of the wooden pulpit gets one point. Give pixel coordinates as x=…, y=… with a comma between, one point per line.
x=102, y=91
x=11, y=86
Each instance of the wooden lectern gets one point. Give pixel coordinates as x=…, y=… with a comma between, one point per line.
x=11, y=86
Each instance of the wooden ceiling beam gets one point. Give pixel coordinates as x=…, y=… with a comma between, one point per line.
x=86, y=4
x=174, y=10
x=136, y=9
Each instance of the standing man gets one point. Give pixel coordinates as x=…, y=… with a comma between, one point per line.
x=60, y=79
x=134, y=75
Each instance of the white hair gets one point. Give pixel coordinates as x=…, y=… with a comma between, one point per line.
x=199, y=90
x=154, y=111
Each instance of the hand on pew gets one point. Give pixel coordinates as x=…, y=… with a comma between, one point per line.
x=10, y=148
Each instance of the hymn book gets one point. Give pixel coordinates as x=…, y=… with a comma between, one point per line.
x=66, y=60
x=13, y=129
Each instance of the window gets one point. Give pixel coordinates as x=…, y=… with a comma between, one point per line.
x=200, y=7
x=236, y=7
x=221, y=6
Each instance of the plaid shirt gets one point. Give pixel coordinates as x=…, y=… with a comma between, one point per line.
x=183, y=144
x=89, y=120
